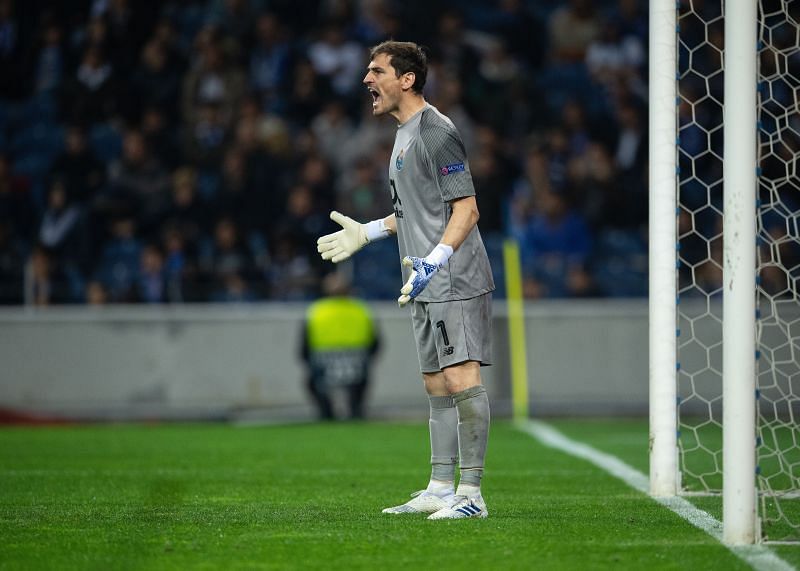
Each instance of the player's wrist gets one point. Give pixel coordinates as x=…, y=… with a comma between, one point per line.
x=439, y=255
x=376, y=230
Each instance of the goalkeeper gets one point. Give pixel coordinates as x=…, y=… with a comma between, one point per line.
x=448, y=279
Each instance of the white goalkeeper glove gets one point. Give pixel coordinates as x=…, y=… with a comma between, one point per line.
x=353, y=236
x=423, y=271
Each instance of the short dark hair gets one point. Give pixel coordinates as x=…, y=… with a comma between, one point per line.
x=406, y=57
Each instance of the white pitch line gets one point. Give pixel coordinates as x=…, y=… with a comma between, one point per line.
x=759, y=557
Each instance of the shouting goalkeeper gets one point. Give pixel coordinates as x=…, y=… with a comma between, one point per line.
x=449, y=289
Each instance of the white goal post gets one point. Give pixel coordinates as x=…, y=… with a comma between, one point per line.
x=739, y=262
x=662, y=248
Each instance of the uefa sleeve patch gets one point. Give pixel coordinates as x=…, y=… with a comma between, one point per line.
x=456, y=167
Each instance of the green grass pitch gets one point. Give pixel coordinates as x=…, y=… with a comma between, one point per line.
x=213, y=496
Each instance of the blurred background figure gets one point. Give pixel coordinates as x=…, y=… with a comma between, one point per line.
x=340, y=340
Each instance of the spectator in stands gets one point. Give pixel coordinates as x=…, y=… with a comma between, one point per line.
x=496, y=74
x=155, y=82
x=555, y=250
x=631, y=17
x=264, y=173
x=96, y=293
x=180, y=266
x=487, y=174
x=12, y=262
x=82, y=173
x=303, y=219
x=185, y=212
x=363, y=194
x=214, y=82
x=139, y=181
x=235, y=197
x=316, y=173
x=613, y=58
x=331, y=127
x=11, y=51
x=448, y=98
x=522, y=30
x=307, y=93
x=225, y=255
x=151, y=284
x=91, y=95
x=128, y=25
x=338, y=59
x=368, y=138
x=45, y=284
x=16, y=202
x=534, y=179
x=63, y=230
x=161, y=138
x=118, y=267
x=233, y=289
x=378, y=20
x=166, y=34
x=270, y=63
x=575, y=127
x=206, y=138
x=51, y=59
x=593, y=184
x=571, y=29
x=291, y=276
x=456, y=54
x=234, y=18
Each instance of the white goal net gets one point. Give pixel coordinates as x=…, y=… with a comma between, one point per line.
x=701, y=41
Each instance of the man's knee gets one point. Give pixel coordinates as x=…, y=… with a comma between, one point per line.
x=435, y=384
x=462, y=376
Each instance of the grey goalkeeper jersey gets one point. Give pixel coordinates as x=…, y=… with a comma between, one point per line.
x=428, y=169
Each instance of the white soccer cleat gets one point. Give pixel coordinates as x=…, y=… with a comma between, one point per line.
x=462, y=507
x=422, y=502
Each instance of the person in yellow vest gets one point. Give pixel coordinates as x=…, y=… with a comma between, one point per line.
x=340, y=340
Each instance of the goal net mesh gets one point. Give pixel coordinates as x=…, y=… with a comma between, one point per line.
x=700, y=234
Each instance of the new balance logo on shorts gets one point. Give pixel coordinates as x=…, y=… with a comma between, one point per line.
x=447, y=351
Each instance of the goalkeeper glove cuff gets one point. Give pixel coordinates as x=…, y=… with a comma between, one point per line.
x=376, y=230
x=423, y=271
x=439, y=255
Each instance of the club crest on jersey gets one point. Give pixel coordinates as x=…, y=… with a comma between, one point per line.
x=398, y=162
x=455, y=167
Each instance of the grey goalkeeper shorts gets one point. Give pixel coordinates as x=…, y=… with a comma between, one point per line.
x=451, y=332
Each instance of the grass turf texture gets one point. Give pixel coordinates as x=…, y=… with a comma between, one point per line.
x=309, y=497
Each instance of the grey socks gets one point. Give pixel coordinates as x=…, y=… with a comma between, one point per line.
x=444, y=438
x=459, y=428
x=473, y=432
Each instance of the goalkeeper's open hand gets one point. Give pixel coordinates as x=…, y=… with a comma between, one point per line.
x=340, y=245
x=421, y=275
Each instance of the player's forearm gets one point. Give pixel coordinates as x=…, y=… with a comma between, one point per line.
x=390, y=222
x=463, y=219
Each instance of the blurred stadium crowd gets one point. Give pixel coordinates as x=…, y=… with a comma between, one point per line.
x=190, y=150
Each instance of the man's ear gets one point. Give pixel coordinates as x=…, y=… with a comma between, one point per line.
x=407, y=80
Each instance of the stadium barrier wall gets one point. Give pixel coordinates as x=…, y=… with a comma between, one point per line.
x=585, y=357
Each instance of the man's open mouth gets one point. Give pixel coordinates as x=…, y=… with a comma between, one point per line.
x=375, y=95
